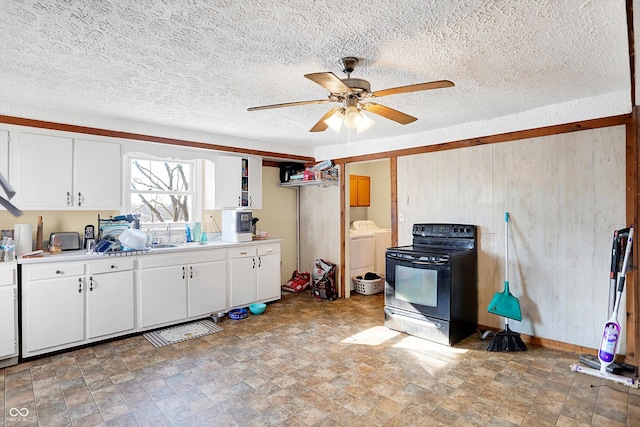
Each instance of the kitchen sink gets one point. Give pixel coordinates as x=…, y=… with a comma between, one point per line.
x=163, y=245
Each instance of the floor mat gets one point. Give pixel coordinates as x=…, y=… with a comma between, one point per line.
x=176, y=334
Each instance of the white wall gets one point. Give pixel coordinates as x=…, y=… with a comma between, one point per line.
x=319, y=226
x=278, y=217
x=565, y=194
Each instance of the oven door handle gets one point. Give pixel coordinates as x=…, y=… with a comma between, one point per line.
x=436, y=263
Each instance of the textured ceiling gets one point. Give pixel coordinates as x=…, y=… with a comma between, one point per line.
x=190, y=69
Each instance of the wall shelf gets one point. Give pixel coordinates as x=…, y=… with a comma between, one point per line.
x=300, y=183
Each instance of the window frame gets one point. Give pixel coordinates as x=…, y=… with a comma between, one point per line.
x=195, y=180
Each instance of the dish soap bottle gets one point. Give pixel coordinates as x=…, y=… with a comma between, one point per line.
x=187, y=233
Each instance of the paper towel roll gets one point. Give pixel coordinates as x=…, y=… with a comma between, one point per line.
x=23, y=236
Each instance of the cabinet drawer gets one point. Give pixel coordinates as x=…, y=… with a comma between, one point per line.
x=207, y=256
x=184, y=258
x=110, y=265
x=6, y=276
x=268, y=249
x=242, y=252
x=51, y=271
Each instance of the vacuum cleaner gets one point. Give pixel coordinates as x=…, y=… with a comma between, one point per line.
x=612, y=329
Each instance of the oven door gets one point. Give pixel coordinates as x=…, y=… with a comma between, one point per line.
x=418, y=284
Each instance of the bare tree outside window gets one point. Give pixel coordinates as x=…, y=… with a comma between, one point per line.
x=161, y=191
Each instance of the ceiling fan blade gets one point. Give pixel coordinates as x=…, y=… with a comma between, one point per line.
x=289, y=104
x=329, y=81
x=413, y=88
x=389, y=113
x=321, y=125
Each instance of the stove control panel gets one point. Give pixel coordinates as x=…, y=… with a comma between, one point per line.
x=466, y=231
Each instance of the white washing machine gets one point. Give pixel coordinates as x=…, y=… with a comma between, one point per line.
x=381, y=241
x=361, y=259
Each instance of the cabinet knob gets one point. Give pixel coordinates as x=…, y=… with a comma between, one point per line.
x=58, y=271
x=91, y=283
x=68, y=198
x=80, y=199
x=80, y=285
x=112, y=266
x=183, y=272
x=254, y=263
x=191, y=272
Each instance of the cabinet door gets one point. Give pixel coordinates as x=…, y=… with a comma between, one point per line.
x=269, y=277
x=53, y=313
x=110, y=300
x=359, y=190
x=207, y=288
x=243, y=281
x=8, y=309
x=228, y=176
x=4, y=154
x=163, y=295
x=95, y=187
x=353, y=191
x=364, y=194
x=255, y=182
x=43, y=181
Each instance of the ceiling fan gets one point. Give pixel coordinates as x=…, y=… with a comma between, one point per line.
x=350, y=93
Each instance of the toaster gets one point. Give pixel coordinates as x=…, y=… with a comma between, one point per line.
x=68, y=240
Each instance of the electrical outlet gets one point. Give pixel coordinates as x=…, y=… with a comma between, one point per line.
x=400, y=216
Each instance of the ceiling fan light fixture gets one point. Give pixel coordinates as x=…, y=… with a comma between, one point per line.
x=365, y=123
x=352, y=117
x=335, y=121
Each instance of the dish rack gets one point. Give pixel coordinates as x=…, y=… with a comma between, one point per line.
x=127, y=252
x=368, y=287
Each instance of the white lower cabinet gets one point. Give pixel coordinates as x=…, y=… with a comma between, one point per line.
x=8, y=314
x=207, y=287
x=242, y=276
x=268, y=273
x=71, y=303
x=176, y=287
x=163, y=295
x=254, y=272
x=52, y=307
x=110, y=297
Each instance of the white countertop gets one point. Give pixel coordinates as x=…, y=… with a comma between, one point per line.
x=81, y=254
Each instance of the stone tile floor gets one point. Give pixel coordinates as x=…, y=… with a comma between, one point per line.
x=308, y=362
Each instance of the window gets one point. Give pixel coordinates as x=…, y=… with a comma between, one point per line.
x=161, y=190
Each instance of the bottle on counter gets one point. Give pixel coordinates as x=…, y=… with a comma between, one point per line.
x=196, y=231
x=9, y=250
x=187, y=233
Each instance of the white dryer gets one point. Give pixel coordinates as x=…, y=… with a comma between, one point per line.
x=381, y=241
x=361, y=259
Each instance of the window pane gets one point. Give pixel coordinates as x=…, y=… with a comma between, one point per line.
x=161, y=207
x=153, y=175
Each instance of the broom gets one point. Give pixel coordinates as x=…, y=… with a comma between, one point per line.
x=506, y=305
x=507, y=340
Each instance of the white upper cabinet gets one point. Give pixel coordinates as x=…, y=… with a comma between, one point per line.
x=54, y=172
x=233, y=182
x=43, y=171
x=97, y=177
x=4, y=153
